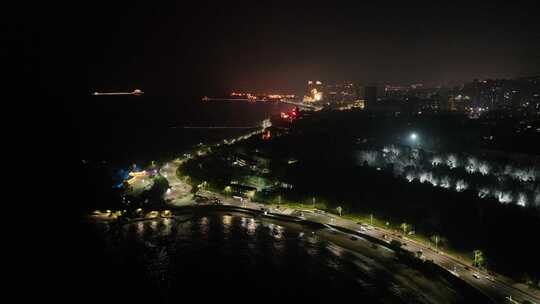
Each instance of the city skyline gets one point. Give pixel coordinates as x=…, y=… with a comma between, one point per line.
x=220, y=48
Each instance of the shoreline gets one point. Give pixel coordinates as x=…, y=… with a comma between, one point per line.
x=380, y=254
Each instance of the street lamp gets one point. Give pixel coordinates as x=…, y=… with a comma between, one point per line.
x=415, y=139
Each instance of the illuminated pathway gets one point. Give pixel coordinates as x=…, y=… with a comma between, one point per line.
x=179, y=192
x=497, y=288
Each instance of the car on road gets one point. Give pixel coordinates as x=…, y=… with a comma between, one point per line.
x=476, y=275
x=199, y=199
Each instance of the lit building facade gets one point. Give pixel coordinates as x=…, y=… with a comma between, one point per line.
x=314, y=91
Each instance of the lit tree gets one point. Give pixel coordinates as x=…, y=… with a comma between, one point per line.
x=479, y=259
x=404, y=227
x=437, y=239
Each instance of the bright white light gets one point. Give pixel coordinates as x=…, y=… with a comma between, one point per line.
x=414, y=136
x=522, y=200
x=472, y=165
x=445, y=182
x=436, y=161
x=461, y=185
x=484, y=168
x=504, y=197
x=452, y=161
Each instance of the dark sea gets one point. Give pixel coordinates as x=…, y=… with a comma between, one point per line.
x=231, y=258
x=130, y=128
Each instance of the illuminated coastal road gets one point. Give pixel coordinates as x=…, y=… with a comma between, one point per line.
x=496, y=288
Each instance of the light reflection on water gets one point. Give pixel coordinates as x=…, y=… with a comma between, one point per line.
x=227, y=226
x=227, y=219
x=231, y=245
x=154, y=225
x=140, y=228
x=167, y=226
x=251, y=226
x=336, y=250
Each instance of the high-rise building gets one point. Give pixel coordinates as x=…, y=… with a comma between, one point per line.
x=344, y=92
x=314, y=91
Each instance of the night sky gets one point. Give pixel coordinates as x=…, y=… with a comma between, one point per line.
x=175, y=48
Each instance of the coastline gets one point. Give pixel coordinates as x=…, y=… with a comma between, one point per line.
x=379, y=258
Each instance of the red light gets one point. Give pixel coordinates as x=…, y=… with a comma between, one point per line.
x=267, y=135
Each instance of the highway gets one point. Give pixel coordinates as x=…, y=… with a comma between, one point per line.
x=497, y=288
x=493, y=287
